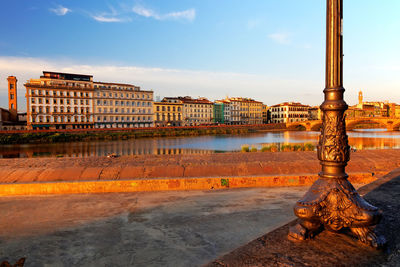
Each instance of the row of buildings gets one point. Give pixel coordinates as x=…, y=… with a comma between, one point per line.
x=74, y=101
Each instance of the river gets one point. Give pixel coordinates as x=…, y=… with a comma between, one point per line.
x=358, y=139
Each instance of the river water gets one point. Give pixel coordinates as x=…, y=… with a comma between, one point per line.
x=359, y=139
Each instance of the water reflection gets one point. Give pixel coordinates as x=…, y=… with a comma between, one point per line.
x=360, y=139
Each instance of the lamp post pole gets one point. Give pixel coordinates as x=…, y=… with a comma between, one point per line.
x=332, y=202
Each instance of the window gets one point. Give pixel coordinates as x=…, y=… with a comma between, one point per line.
x=11, y=86
x=11, y=96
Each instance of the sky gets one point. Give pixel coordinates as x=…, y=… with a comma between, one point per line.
x=269, y=50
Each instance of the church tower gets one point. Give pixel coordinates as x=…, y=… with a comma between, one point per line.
x=12, y=97
x=360, y=97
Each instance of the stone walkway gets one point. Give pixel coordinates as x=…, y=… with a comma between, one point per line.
x=186, y=228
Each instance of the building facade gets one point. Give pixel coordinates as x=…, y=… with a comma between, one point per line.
x=60, y=101
x=250, y=111
x=168, y=112
x=219, y=112
x=314, y=113
x=119, y=105
x=12, y=97
x=289, y=112
x=73, y=101
x=266, y=116
x=196, y=111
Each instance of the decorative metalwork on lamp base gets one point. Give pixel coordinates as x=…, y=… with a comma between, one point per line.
x=332, y=203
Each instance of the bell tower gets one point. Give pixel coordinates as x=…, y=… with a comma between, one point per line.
x=12, y=96
x=360, y=97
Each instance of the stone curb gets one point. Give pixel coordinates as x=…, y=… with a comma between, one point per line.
x=167, y=184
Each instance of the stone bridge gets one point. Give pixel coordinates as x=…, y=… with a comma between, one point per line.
x=391, y=124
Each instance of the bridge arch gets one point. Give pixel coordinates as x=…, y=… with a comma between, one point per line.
x=305, y=125
x=316, y=127
x=351, y=124
x=396, y=126
x=302, y=126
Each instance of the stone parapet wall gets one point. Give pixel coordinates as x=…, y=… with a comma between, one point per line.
x=264, y=164
x=166, y=184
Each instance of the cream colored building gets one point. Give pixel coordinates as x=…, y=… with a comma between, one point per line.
x=73, y=101
x=196, y=111
x=119, y=105
x=289, y=112
x=60, y=101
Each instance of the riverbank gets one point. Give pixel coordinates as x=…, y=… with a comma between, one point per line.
x=76, y=135
x=261, y=164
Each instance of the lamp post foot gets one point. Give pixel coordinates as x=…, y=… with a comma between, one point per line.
x=368, y=236
x=335, y=204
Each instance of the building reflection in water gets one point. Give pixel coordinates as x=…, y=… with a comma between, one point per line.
x=365, y=139
x=143, y=146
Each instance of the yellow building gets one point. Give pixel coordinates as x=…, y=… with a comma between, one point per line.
x=397, y=111
x=265, y=114
x=168, y=112
x=250, y=110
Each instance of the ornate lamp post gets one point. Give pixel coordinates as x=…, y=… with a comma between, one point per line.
x=332, y=202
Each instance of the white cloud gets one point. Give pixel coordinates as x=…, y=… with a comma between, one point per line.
x=111, y=16
x=148, y=13
x=169, y=82
x=280, y=38
x=102, y=18
x=60, y=10
x=189, y=14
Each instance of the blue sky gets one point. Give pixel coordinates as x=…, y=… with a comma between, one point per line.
x=270, y=50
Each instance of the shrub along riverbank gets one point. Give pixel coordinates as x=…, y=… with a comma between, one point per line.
x=281, y=148
x=121, y=134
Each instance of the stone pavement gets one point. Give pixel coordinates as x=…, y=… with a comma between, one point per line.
x=185, y=228
x=329, y=249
